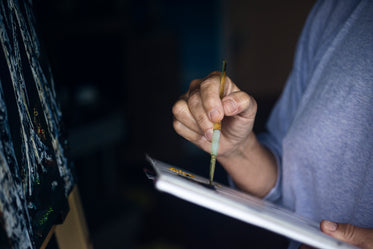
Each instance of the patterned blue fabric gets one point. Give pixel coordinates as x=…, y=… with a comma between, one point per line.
x=36, y=176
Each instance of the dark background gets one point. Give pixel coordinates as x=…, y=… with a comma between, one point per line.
x=119, y=66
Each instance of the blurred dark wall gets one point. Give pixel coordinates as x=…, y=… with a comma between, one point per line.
x=261, y=37
x=119, y=66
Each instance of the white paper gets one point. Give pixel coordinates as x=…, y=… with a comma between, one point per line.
x=239, y=205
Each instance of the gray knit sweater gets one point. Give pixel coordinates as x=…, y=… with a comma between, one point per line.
x=321, y=129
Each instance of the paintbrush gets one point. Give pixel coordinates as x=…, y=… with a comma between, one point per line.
x=217, y=127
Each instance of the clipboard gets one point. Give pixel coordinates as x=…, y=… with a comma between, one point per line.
x=239, y=205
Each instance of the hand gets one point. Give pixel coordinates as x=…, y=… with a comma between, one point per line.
x=252, y=167
x=358, y=236
x=197, y=110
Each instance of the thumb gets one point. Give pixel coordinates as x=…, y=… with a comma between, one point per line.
x=358, y=236
x=240, y=103
x=240, y=110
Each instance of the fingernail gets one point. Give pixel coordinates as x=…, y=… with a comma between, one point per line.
x=214, y=115
x=330, y=226
x=230, y=106
x=208, y=135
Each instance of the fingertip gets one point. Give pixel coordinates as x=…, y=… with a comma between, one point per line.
x=176, y=125
x=209, y=91
x=179, y=107
x=328, y=226
x=215, y=115
x=208, y=135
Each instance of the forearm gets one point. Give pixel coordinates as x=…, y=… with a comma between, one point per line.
x=252, y=167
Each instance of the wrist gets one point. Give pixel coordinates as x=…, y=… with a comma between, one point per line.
x=252, y=167
x=241, y=151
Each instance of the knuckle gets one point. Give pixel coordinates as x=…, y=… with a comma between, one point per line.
x=194, y=84
x=194, y=99
x=179, y=108
x=245, y=103
x=253, y=103
x=249, y=102
x=203, y=122
x=214, y=73
x=208, y=82
x=184, y=96
x=244, y=99
x=181, y=131
x=349, y=232
x=210, y=103
x=177, y=126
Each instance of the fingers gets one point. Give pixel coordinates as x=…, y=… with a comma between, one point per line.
x=196, y=111
x=361, y=237
x=182, y=114
x=211, y=102
x=240, y=110
x=195, y=104
x=191, y=135
x=191, y=114
x=193, y=86
x=201, y=106
x=186, y=132
x=186, y=126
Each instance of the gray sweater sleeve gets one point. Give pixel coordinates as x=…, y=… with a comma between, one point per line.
x=323, y=24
